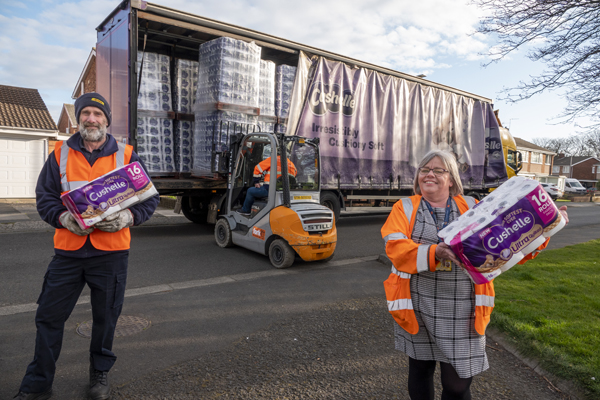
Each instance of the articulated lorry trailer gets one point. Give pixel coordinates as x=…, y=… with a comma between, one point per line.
x=181, y=86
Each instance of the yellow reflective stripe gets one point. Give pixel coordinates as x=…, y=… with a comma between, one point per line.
x=394, y=236
x=401, y=274
x=400, y=304
x=483, y=300
x=423, y=258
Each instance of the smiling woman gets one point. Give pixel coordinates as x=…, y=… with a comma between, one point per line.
x=431, y=299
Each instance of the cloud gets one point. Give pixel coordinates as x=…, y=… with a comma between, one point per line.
x=46, y=48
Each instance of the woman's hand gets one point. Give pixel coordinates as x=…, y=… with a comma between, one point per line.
x=444, y=252
x=563, y=213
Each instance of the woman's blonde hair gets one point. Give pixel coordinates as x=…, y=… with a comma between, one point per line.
x=450, y=164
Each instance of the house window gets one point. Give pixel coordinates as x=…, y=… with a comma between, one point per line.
x=566, y=169
x=548, y=159
x=593, y=170
x=556, y=169
x=525, y=155
x=536, y=158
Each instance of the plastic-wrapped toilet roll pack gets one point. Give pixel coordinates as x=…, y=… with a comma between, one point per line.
x=108, y=194
x=503, y=228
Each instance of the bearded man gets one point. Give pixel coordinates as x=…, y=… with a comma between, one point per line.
x=96, y=256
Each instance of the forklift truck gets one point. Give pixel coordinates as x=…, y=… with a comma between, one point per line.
x=290, y=220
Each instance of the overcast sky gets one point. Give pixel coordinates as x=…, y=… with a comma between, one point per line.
x=44, y=44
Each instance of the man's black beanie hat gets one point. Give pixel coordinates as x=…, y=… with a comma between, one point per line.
x=94, y=100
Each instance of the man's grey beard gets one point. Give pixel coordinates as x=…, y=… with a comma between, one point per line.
x=93, y=135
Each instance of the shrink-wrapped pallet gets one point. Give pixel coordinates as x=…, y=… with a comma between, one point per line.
x=228, y=73
x=285, y=76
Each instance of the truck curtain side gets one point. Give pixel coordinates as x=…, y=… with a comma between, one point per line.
x=374, y=123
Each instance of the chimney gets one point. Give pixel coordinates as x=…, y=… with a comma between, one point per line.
x=560, y=155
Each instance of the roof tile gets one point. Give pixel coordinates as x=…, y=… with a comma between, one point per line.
x=24, y=108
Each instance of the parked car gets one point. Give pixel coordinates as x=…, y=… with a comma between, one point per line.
x=592, y=190
x=552, y=190
x=573, y=186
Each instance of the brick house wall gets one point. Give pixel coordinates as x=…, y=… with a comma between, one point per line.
x=89, y=80
x=65, y=126
x=545, y=167
x=536, y=161
x=583, y=170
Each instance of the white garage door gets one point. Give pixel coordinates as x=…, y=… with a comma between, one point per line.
x=21, y=160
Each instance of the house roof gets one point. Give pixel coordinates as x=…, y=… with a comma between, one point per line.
x=573, y=160
x=67, y=114
x=24, y=108
x=70, y=110
x=531, y=146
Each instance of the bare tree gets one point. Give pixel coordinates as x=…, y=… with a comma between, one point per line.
x=585, y=144
x=591, y=141
x=557, y=145
x=563, y=34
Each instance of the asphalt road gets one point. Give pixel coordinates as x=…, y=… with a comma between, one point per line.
x=200, y=299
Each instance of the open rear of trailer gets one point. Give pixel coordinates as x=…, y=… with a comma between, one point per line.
x=374, y=123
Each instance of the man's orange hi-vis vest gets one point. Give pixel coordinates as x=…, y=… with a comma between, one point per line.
x=264, y=168
x=76, y=171
x=410, y=258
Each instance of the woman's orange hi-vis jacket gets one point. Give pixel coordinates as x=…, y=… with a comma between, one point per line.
x=410, y=258
x=79, y=172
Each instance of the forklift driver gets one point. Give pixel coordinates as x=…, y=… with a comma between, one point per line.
x=263, y=169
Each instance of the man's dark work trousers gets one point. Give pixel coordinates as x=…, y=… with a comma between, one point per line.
x=65, y=278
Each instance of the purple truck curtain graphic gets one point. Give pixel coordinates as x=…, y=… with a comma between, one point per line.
x=374, y=128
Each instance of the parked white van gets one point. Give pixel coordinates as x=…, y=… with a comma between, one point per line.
x=574, y=187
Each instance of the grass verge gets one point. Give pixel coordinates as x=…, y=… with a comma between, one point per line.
x=550, y=309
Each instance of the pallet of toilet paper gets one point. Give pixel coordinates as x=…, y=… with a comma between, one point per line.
x=507, y=225
x=108, y=194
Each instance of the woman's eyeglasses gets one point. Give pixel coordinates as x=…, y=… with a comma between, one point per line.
x=436, y=171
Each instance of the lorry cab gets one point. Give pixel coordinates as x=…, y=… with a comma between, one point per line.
x=512, y=157
x=290, y=220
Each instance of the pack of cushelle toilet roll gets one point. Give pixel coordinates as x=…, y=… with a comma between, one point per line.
x=112, y=192
x=510, y=223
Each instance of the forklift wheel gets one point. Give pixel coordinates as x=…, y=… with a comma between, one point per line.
x=281, y=254
x=223, y=233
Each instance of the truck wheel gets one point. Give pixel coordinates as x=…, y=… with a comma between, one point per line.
x=195, y=209
x=330, y=200
x=281, y=254
x=223, y=233
x=474, y=195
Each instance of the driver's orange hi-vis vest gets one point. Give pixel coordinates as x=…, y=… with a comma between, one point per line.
x=75, y=171
x=264, y=168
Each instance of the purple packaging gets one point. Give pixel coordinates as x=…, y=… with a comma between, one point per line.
x=112, y=192
x=493, y=237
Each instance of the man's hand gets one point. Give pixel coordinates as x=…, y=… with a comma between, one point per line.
x=444, y=252
x=115, y=222
x=257, y=185
x=69, y=222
